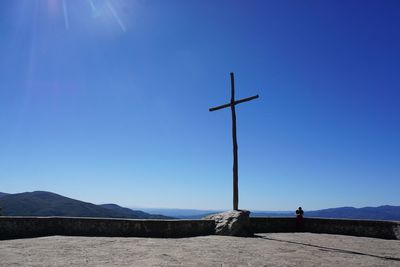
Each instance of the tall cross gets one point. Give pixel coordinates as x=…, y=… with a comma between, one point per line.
x=232, y=105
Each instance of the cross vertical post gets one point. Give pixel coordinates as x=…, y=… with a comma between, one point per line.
x=235, y=147
x=232, y=105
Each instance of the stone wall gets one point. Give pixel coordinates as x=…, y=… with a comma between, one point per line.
x=23, y=227
x=378, y=229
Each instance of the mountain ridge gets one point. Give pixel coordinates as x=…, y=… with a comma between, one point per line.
x=129, y=212
x=43, y=203
x=383, y=212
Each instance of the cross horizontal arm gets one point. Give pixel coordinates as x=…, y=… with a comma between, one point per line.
x=234, y=103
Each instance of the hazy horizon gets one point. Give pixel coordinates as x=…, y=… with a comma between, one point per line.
x=147, y=208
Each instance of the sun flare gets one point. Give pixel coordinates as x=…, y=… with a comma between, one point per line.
x=95, y=9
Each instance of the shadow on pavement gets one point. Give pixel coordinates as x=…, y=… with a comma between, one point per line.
x=330, y=249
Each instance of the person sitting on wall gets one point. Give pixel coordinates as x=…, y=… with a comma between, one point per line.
x=299, y=218
x=300, y=213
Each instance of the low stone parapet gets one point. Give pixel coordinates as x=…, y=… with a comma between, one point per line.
x=367, y=228
x=24, y=227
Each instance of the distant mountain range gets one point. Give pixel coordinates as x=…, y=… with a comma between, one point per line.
x=182, y=213
x=41, y=203
x=391, y=213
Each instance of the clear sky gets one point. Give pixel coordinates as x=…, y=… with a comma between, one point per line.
x=107, y=101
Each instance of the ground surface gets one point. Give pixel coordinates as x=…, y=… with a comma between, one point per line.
x=282, y=249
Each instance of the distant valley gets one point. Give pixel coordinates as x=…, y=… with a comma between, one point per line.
x=391, y=213
x=182, y=213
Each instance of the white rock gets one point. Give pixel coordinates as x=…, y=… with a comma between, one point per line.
x=232, y=223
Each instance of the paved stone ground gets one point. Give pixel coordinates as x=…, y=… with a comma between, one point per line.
x=281, y=249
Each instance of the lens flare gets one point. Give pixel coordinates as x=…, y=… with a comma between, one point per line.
x=116, y=16
x=66, y=20
x=103, y=10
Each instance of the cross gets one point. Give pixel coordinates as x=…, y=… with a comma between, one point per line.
x=232, y=105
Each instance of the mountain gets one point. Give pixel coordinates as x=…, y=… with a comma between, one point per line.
x=181, y=213
x=41, y=203
x=128, y=212
x=369, y=213
x=391, y=213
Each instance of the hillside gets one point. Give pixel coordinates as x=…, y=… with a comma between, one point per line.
x=370, y=213
x=128, y=212
x=181, y=213
x=391, y=213
x=41, y=203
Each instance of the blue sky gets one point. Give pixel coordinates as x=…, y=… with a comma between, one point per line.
x=107, y=101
